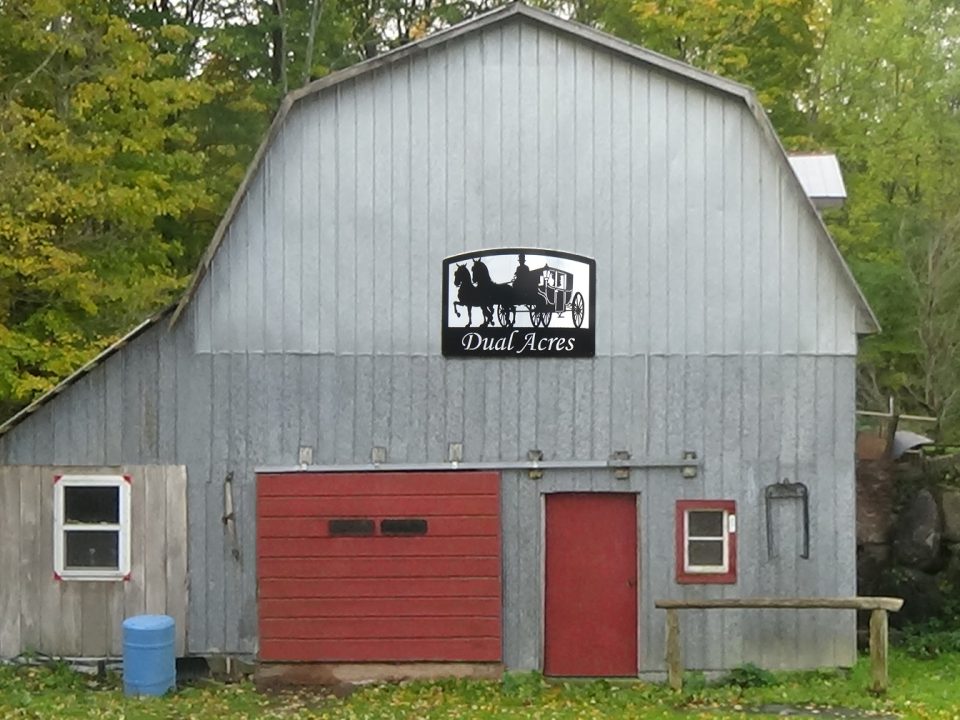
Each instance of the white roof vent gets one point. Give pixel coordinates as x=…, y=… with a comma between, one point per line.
x=821, y=179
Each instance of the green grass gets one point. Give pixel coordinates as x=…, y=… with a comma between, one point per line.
x=920, y=689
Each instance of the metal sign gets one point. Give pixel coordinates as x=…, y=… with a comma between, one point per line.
x=518, y=302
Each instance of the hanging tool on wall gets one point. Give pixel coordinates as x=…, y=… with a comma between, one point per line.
x=229, y=518
x=786, y=490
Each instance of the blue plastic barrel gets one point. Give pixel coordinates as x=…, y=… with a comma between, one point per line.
x=149, y=662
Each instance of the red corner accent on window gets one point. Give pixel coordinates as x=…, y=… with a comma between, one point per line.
x=129, y=479
x=689, y=578
x=56, y=576
x=56, y=479
x=126, y=578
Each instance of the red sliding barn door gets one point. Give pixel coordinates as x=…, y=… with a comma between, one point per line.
x=591, y=585
x=392, y=567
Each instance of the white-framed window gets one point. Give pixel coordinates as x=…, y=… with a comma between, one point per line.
x=91, y=538
x=706, y=541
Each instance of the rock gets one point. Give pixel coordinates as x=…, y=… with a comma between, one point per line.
x=950, y=502
x=872, y=560
x=875, y=501
x=919, y=531
x=922, y=597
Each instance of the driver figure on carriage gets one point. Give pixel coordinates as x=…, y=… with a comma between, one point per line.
x=524, y=281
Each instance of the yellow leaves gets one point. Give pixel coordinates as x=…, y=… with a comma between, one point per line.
x=176, y=33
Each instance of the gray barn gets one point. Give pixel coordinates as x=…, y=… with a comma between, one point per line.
x=302, y=396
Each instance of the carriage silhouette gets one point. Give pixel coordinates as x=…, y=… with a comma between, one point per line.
x=542, y=293
x=545, y=292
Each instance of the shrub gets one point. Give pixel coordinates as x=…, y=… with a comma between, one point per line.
x=748, y=676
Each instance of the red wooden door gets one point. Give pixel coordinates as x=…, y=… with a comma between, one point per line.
x=391, y=567
x=591, y=585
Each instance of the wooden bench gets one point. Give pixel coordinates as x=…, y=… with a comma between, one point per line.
x=879, y=606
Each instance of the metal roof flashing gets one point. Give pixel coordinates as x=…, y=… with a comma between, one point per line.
x=821, y=178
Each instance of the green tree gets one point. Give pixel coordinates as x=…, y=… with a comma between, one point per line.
x=887, y=100
x=770, y=45
x=102, y=169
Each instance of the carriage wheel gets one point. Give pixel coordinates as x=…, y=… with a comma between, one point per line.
x=541, y=318
x=507, y=315
x=536, y=317
x=576, y=308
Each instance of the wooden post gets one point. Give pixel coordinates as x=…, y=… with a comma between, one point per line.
x=674, y=661
x=878, y=650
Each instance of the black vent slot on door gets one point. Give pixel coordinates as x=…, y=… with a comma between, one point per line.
x=403, y=526
x=350, y=527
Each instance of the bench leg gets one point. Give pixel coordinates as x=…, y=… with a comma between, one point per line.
x=674, y=661
x=878, y=650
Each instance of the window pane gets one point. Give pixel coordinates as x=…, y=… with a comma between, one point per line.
x=705, y=552
x=705, y=523
x=91, y=504
x=92, y=549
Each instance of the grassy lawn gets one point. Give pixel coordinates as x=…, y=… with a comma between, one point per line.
x=920, y=689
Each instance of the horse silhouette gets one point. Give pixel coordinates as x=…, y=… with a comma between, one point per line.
x=469, y=296
x=487, y=290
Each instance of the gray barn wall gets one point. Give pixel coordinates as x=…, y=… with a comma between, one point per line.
x=754, y=420
x=517, y=135
x=722, y=327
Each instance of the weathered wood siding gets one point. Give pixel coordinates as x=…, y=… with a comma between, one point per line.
x=71, y=618
x=522, y=136
x=754, y=420
x=724, y=326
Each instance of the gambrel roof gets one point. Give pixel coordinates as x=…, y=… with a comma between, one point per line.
x=867, y=321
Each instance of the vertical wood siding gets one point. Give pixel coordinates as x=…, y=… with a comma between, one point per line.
x=73, y=618
x=753, y=420
x=518, y=135
x=723, y=327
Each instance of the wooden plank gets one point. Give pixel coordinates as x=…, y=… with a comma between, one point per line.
x=94, y=628
x=69, y=623
x=380, y=483
x=30, y=567
x=851, y=603
x=379, y=567
x=384, y=607
x=54, y=633
x=378, y=546
x=415, y=629
x=410, y=587
x=449, y=649
x=674, y=660
x=437, y=526
x=175, y=487
x=133, y=588
x=154, y=542
x=878, y=650
x=115, y=618
x=377, y=506
x=10, y=589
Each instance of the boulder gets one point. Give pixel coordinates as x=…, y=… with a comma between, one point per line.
x=950, y=502
x=922, y=597
x=876, y=496
x=919, y=531
x=949, y=577
x=872, y=560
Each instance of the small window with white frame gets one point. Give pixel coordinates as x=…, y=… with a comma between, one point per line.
x=91, y=527
x=706, y=541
